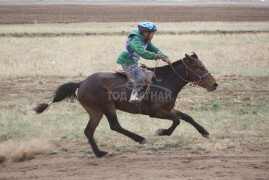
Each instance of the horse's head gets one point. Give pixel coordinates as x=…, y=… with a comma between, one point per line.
x=198, y=74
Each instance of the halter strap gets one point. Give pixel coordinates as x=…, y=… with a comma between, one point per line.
x=206, y=74
x=193, y=83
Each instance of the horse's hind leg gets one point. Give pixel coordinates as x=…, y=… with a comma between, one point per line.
x=111, y=115
x=89, y=132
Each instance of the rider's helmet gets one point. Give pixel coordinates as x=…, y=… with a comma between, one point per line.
x=146, y=27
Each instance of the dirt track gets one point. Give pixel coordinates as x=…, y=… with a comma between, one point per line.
x=20, y=14
x=143, y=167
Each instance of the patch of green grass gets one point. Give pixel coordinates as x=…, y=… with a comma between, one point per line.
x=120, y=149
x=194, y=148
x=212, y=106
x=86, y=151
x=235, y=105
x=52, y=152
x=158, y=147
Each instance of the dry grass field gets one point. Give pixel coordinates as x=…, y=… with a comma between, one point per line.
x=36, y=58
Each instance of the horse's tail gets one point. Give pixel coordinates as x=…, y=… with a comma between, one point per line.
x=67, y=90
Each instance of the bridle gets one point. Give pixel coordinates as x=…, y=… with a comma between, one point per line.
x=192, y=83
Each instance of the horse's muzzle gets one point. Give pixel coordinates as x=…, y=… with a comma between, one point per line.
x=212, y=87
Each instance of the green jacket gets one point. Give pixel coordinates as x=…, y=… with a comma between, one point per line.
x=136, y=45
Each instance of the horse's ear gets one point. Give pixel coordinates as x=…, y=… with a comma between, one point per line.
x=194, y=55
x=189, y=58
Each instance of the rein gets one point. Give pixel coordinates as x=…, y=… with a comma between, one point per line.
x=156, y=64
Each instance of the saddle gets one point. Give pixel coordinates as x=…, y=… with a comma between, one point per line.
x=148, y=74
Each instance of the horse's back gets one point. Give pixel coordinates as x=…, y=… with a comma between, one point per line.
x=98, y=86
x=104, y=79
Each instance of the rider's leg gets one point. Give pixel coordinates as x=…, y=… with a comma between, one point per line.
x=139, y=78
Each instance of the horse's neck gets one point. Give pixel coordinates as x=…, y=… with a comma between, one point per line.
x=171, y=80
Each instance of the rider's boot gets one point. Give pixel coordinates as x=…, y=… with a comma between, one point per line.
x=135, y=99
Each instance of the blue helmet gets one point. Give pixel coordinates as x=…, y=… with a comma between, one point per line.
x=146, y=27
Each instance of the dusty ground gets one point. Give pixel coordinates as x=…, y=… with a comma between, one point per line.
x=19, y=14
x=132, y=166
x=178, y=163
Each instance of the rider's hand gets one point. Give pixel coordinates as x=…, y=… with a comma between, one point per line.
x=168, y=61
x=160, y=56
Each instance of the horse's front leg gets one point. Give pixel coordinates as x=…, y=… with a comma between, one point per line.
x=170, y=115
x=190, y=120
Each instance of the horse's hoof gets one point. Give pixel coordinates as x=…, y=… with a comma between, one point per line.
x=101, y=154
x=144, y=141
x=206, y=136
x=159, y=132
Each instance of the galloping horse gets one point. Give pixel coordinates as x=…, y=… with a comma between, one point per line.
x=102, y=93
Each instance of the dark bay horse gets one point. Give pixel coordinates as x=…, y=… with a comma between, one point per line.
x=102, y=93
